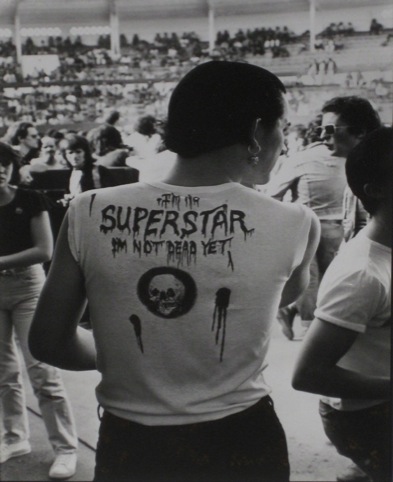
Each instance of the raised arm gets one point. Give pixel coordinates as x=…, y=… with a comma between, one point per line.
x=55, y=337
x=300, y=276
x=316, y=370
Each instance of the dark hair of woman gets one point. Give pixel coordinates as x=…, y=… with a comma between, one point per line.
x=9, y=156
x=216, y=104
x=74, y=141
x=370, y=162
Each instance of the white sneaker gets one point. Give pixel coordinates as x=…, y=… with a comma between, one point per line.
x=63, y=467
x=8, y=451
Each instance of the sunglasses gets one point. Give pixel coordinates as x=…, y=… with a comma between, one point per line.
x=329, y=129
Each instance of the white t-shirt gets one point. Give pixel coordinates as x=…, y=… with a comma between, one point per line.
x=184, y=284
x=355, y=293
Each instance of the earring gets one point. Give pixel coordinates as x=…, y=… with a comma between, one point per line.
x=253, y=158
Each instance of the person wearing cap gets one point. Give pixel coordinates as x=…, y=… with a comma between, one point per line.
x=184, y=278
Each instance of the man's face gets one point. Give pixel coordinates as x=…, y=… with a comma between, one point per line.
x=31, y=140
x=336, y=135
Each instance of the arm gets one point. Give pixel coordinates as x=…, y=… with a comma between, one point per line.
x=42, y=245
x=300, y=276
x=55, y=337
x=316, y=370
x=282, y=181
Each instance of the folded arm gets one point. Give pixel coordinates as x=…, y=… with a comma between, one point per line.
x=316, y=370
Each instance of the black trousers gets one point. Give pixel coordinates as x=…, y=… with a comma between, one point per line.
x=364, y=436
x=249, y=446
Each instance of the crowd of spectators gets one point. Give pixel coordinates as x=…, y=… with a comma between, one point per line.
x=167, y=55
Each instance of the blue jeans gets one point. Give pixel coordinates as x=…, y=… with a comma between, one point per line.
x=249, y=446
x=364, y=436
x=19, y=292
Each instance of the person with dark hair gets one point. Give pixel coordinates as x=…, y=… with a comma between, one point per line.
x=78, y=156
x=346, y=120
x=107, y=145
x=321, y=185
x=183, y=279
x=346, y=354
x=146, y=143
x=25, y=243
x=25, y=137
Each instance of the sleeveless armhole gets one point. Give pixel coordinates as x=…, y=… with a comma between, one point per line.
x=72, y=230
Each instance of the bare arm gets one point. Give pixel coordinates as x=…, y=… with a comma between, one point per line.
x=316, y=370
x=42, y=245
x=55, y=337
x=300, y=276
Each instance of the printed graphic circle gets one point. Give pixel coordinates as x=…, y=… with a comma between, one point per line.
x=167, y=292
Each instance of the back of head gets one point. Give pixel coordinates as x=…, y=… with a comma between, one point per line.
x=355, y=111
x=146, y=125
x=370, y=162
x=104, y=139
x=216, y=103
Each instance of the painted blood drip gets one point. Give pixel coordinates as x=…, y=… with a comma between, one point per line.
x=92, y=198
x=136, y=323
x=220, y=316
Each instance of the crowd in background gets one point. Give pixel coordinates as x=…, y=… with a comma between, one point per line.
x=166, y=55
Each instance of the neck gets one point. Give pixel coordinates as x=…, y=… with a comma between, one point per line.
x=6, y=194
x=379, y=229
x=210, y=169
x=23, y=149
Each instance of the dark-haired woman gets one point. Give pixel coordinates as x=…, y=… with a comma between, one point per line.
x=78, y=156
x=184, y=278
x=25, y=243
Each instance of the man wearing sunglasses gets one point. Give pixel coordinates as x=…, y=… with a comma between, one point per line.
x=316, y=178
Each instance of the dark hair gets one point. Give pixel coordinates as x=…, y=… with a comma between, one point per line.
x=355, y=111
x=112, y=117
x=8, y=156
x=74, y=141
x=370, y=161
x=216, y=103
x=146, y=125
x=17, y=131
x=104, y=139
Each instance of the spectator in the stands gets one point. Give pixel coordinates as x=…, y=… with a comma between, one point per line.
x=375, y=27
x=107, y=146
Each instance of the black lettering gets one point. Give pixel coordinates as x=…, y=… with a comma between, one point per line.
x=170, y=220
x=206, y=215
x=126, y=224
x=139, y=215
x=220, y=220
x=239, y=217
x=154, y=217
x=189, y=222
x=137, y=247
x=107, y=218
